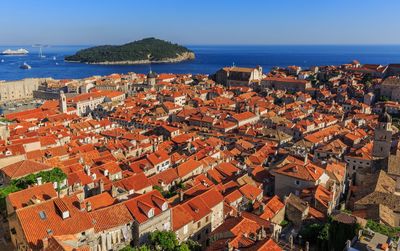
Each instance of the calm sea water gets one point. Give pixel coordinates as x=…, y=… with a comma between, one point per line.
x=208, y=59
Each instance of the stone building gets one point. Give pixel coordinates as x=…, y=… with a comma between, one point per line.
x=383, y=136
x=390, y=88
x=296, y=210
x=288, y=84
x=151, y=212
x=238, y=76
x=17, y=90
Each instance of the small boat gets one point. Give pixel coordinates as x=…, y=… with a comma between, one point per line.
x=54, y=58
x=25, y=66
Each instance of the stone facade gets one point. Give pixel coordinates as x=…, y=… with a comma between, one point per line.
x=18, y=90
x=238, y=76
x=287, y=84
x=160, y=222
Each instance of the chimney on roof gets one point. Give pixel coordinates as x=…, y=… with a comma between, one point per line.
x=39, y=180
x=81, y=204
x=88, y=206
x=307, y=248
x=181, y=195
x=348, y=245
x=35, y=200
x=291, y=241
x=114, y=191
x=230, y=248
x=101, y=186
x=306, y=158
x=45, y=243
x=87, y=170
x=260, y=234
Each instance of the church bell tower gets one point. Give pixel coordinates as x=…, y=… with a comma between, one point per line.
x=63, y=102
x=383, y=136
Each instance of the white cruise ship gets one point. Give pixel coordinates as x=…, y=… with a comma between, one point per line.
x=15, y=52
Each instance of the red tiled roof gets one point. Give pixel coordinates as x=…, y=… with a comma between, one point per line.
x=251, y=192
x=135, y=205
x=270, y=245
x=135, y=182
x=167, y=177
x=187, y=167
x=157, y=157
x=42, y=220
x=180, y=217
x=100, y=201
x=308, y=172
x=272, y=207
x=26, y=197
x=197, y=208
x=243, y=116
x=23, y=168
x=110, y=217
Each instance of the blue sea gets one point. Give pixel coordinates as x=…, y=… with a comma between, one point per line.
x=208, y=59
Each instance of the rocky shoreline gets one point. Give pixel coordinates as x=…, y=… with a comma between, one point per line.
x=180, y=58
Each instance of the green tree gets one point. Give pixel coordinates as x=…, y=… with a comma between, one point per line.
x=158, y=188
x=384, y=98
x=323, y=237
x=340, y=232
x=148, y=48
x=183, y=247
x=4, y=191
x=367, y=78
x=127, y=248
x=163, y=240
x=141, y=248
x=311, y=232
x=193, y=245
x=392, y=232
x=54, y=175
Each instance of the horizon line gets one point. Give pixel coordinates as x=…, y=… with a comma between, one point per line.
x=218, y=44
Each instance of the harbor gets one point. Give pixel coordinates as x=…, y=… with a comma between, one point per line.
x=19, y=106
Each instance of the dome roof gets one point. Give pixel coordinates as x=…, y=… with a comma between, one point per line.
x=385, y=117
x=151, y=74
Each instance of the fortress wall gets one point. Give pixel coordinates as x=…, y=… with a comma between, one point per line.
x=20, y=89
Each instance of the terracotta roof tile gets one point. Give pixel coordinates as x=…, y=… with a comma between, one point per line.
x=32, y=195
x=23, y=168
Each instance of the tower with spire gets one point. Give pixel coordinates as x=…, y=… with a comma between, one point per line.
x=383, y=136
x=151, y=78
x=63, y=102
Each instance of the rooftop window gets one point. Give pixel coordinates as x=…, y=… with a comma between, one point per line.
x=42, y=215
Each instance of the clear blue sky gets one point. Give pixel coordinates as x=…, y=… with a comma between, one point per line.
x=200, y=21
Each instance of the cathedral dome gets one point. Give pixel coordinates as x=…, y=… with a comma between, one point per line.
x=151, y=74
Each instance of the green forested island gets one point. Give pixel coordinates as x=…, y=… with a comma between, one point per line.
x=148, y=50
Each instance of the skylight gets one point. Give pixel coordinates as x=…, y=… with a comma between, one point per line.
x=42, y=215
